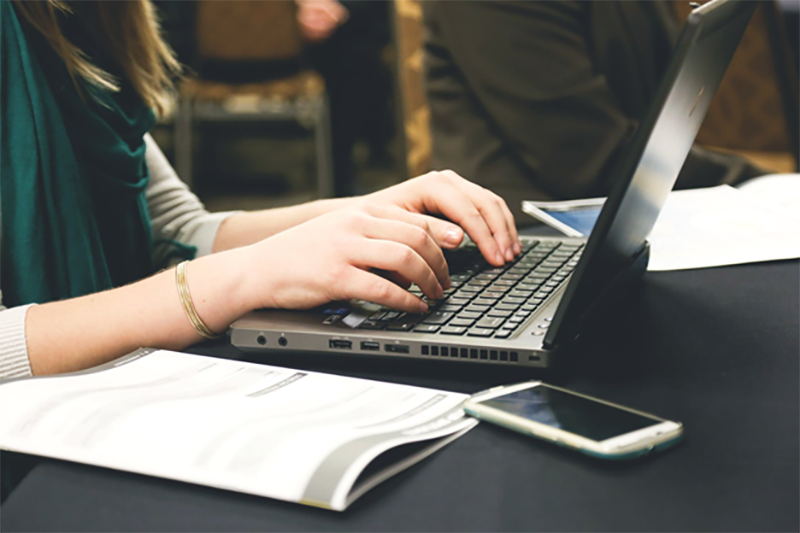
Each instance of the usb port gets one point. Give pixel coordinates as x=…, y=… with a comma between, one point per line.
x=396, y=348
x=373, y=346
x=340, y=344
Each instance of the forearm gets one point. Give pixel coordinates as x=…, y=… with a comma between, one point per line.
x=74, y=334
x=249, y=228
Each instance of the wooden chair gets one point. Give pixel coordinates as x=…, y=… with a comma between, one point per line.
x=245, y=37
x=755, y=111
x=408, y=28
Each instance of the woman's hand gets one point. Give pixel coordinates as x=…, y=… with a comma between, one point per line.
x=335, y=257
x=481, y=213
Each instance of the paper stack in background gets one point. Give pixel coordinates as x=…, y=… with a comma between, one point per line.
x=717, y=226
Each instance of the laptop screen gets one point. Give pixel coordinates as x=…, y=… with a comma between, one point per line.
x=654, y=159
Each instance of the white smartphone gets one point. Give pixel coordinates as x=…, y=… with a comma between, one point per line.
x=589, y=425
x=574, y=218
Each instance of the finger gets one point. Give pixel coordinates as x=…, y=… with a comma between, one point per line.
x=495, y=211
x=512, y=225
x=400, y=258
x=444, y=233
x=362, y=285
x=448, y=200
x=415, y=237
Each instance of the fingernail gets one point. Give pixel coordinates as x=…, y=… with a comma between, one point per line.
x=509, y=254
x=422, y=306
x=518, y=247
x=439, y=291
x=454, y=236
x=499, y=257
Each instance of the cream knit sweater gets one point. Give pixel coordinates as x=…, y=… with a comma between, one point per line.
x=175, y=213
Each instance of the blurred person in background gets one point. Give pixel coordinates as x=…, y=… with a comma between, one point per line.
x=538, y=100
x=347, y=39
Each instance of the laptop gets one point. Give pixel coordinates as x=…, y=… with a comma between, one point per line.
x=532, y=309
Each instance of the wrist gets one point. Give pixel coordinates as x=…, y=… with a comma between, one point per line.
x=219, y=286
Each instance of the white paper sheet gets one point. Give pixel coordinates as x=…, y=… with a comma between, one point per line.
x=717, y=226
x=287, y=434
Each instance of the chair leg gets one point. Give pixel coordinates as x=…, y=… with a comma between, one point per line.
x=183, y=141
x=324, y=153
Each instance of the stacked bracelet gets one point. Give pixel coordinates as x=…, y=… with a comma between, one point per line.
x=188, y=304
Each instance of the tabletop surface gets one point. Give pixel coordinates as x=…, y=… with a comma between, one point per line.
x=717, y=349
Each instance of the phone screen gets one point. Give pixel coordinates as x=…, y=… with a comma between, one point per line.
x=581, y=219
x=574, y=414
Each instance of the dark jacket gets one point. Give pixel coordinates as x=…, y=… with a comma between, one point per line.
x=537, y=100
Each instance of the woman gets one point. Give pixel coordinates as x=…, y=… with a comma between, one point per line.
x=90, y=209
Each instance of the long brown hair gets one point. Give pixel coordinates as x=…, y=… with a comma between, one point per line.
x=132, y=33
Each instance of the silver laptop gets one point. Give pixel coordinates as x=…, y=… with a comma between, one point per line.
x=529, y=311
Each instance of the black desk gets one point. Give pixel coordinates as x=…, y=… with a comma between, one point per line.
x=717, y=349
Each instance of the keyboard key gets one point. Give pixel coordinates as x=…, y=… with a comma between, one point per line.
x=520, y=293
x=516, y=319
x=498, y=288
x=462, y=322
x=499, y=313
x=400, y=326
x=438, y=317
x=372, y=324
x=472, y=289
x=452, y=330
x=450, y=308
x=426, y=328
x=462, y=294
x=513, y=300
x=474, y=308
x=491, y=295
x=484, y=301
x=506, y=307
x=469, y=315
x=480, y=332
x=503, y=334
x=456, y=301
x=490, y=322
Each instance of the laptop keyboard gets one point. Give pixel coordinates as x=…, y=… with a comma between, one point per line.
x=484, y=301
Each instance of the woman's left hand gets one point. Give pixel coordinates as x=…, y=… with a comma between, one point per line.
x=481, y=213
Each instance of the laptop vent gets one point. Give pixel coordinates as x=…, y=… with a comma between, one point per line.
x=453, y=352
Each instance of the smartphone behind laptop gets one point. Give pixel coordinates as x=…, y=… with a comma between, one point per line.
x=529, y=311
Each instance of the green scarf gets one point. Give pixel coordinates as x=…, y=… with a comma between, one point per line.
x=72, y=171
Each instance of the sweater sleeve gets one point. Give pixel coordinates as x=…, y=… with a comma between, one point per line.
x=176, y=214
x=14, y=361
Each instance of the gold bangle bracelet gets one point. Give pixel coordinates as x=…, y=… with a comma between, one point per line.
x=188, y=304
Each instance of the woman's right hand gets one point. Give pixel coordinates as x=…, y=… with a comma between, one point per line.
x=336, y=256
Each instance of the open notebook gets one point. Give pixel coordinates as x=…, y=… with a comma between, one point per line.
x=305, y=437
